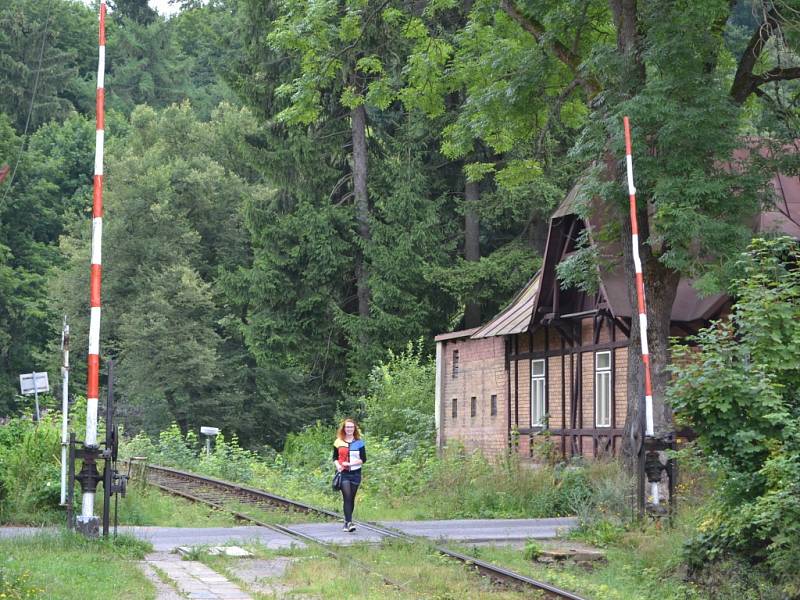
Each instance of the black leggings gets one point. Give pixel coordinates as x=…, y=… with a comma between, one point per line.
x=349, y=489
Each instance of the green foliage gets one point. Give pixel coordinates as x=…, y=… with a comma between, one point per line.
x=29, y=469
x=227, y=459
x=174, y=242
x=580, y=270
x=143, y=506
x=335, y=45
x=532, y=550
x=50, y=186
x=738, y=391
x=688, y=129
x=68, y=60
x=310, y=447
x=399, y=400
x=405, y=480
x=499, y=275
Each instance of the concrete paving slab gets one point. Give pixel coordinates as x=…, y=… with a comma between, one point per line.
x=163, y=591
x=168, y=538
x=194, y=579
x=461, y=530
x=332, y=533
x=487, y=530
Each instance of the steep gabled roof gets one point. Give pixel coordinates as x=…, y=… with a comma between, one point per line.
x=689, y=305
x=523, y=311
x=516, y=317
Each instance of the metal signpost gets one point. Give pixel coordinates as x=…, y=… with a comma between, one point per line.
x=209, y=432
x=64, y=409
x=34, y=383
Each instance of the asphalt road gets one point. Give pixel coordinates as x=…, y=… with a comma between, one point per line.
x=467, y=530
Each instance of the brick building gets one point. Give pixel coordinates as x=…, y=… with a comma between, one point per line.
x=558, y=358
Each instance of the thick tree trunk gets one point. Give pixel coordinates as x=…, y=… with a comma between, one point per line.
x=177, y=414
x=472, y=249
x=537, y=234
x=661, y=286
x=359, y=129
x=660, y=283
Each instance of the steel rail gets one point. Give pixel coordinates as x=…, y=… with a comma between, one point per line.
x=492, y=571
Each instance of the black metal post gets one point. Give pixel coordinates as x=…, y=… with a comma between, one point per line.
x=71, y=483
x=107, y=454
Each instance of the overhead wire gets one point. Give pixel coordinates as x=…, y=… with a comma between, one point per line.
x=21, y=151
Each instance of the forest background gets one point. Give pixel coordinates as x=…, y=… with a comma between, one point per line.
x=297, y=189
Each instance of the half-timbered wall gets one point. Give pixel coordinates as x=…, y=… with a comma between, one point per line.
x=570, y=370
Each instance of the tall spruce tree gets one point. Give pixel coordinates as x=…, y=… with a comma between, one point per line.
x=58, y=35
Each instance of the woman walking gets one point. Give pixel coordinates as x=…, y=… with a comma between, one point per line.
x=349, y=453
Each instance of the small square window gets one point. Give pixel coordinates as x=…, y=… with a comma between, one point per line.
x=455, y=408
x=473, y=406
x=494, y=405
x=603, y=360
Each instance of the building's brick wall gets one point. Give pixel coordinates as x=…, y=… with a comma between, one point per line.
x=522, y=370
x=587, y=395
x=481, y=374
x=620, y=386
x=558, y=419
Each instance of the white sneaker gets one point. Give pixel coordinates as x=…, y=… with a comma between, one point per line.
x=351, y=527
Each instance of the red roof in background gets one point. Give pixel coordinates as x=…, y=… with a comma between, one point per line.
x=689, y=305
x=785, y=216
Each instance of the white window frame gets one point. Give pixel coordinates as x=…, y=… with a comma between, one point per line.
x=538, y=391
x=602, y=389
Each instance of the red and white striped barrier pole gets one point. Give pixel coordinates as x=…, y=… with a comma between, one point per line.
x=93, y=377
x=637, y=262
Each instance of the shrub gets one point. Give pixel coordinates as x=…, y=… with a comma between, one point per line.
x=311, y=447
x=228, y=460
x=173, y=450
x=29, y=469
x=739, y=392
x=400, y=398
x=532, y=550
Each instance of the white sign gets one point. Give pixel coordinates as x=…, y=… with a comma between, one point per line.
x=26, y=384
x=209, y=430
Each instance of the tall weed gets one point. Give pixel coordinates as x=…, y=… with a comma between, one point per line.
x=29, y=469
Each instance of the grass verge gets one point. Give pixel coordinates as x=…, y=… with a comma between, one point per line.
x=421, y=573
x=67, y=566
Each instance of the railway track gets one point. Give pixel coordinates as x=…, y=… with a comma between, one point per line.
x=218, y=494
